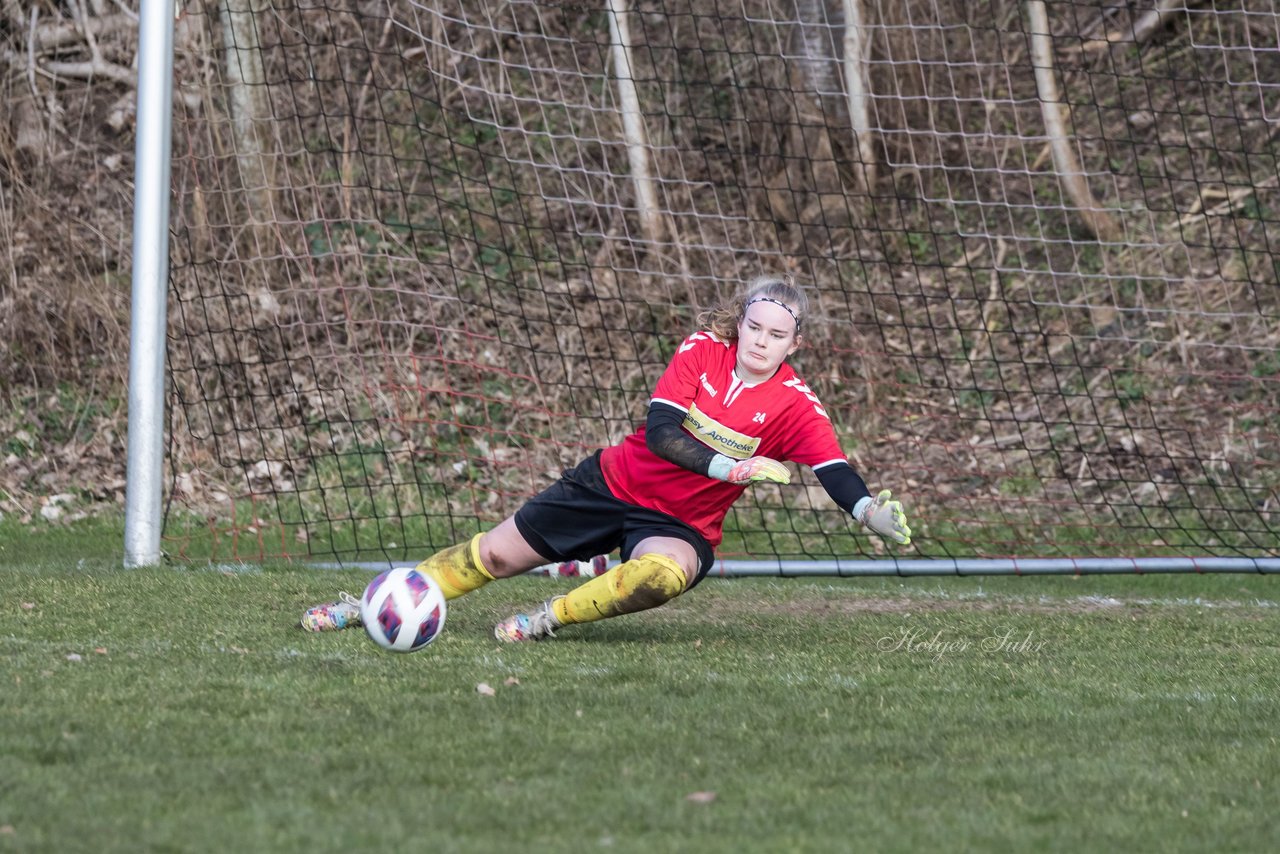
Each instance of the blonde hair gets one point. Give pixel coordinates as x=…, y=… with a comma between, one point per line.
x=723, y=319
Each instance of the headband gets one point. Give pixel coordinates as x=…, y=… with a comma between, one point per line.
x=785, y=308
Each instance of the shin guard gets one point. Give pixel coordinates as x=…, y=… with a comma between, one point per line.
x=639, y=584
x=457, y=569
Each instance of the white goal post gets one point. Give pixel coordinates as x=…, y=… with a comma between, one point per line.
x=148, y=308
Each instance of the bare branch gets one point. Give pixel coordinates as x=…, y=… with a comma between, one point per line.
x=90, y=70
x=855, y=75
x=55, y=37
x=1232, y=201
x=31, y=53
x=63, y=33
x=128, y=13
x=1155, y=19
x=1052, y=108
x=246, y=102
x=633, y=123
x=82, y=24
x=1152, y=22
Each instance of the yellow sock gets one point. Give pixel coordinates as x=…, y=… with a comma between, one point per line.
x=639, y=584
x=457, y=569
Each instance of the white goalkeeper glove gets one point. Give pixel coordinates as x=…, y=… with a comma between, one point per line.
x=884, y=517
x=747, y=471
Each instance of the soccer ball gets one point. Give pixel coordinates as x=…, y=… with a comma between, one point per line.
x=402, y=610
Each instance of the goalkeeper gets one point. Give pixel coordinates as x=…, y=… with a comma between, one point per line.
x=725, y=413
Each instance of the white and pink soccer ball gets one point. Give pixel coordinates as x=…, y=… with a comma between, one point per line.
x=403, y=610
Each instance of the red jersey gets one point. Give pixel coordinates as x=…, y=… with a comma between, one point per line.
x=780, y=418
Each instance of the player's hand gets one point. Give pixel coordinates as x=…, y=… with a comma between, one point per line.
x=758, y=468
x=884, y=517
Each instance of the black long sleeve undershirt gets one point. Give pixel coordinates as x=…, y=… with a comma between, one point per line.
x=845, y=486
x=666, y=437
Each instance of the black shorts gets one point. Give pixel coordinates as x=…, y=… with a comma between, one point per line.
x=577, y=518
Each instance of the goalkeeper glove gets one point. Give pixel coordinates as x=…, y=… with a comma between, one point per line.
x=747, y=471
x=884, y=517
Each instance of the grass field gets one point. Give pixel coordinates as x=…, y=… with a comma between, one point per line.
x=180, y=709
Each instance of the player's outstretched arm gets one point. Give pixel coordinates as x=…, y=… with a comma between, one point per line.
x=747, y=471
x=667, y=438
x=880, y=515
x=884, y=516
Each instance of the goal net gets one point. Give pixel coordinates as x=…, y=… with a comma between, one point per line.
x=425, y=255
